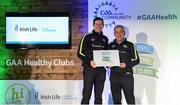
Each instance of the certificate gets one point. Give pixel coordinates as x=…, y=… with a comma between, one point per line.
x=106, y=58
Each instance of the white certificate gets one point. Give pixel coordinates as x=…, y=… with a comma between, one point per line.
x=106, y=58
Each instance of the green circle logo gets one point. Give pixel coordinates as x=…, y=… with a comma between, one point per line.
x=17, y=94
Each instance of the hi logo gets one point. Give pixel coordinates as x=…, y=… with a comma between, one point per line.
x=106, y=10
x=110, y=12
x=17, y=94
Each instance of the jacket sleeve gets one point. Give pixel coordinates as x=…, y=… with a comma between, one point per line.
x=106, y=48
x=134, y=57
x=82, y=49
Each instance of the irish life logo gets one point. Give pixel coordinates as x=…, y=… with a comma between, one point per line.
x=18, y=28
x=17, y=94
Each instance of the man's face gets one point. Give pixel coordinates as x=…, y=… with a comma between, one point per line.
x=119, y=34
x=98, y=25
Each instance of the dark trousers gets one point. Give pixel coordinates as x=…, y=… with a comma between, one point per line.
x=92, y=77
x=123, y=82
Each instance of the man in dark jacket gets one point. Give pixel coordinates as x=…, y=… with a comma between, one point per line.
x=121, y=77
x=93, y=75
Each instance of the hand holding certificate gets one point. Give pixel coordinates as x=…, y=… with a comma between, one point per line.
x=106, y=58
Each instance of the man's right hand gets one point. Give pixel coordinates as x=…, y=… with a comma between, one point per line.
x=122, y=65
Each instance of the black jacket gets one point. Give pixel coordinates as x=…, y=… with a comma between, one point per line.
x=127, y=54
x=89, y=42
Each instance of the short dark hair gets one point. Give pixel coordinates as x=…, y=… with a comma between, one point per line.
x=119, y=26
x=98, y=18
